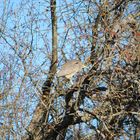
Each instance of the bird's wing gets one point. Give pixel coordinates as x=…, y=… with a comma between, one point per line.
x=70, y=68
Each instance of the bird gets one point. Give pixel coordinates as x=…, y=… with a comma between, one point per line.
x=70, y=68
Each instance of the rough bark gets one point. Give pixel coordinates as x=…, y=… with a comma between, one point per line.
x=37, y=127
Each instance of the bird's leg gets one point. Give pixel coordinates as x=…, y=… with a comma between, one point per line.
x=71, y=82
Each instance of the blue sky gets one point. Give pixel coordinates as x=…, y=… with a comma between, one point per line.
x=19, y=23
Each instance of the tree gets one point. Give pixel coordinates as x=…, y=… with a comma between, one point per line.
x=39, y=36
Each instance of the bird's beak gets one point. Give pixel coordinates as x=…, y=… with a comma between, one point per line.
x=84, y=66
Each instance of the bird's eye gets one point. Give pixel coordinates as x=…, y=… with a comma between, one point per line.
x=76, y=63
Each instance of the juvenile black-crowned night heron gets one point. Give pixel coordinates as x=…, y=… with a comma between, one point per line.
x=70, y=68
